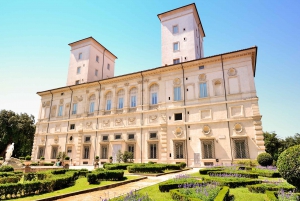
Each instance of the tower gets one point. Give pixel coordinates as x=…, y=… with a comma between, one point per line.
x=89, y=61
x=181, y=35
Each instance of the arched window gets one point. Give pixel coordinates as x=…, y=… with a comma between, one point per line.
x=154, y=94
x=120, y=96
x=92, y=103
x=218, y=88
x=133, y=94
x=108, y=100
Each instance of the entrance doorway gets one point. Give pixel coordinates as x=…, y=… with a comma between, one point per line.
x=116, y=148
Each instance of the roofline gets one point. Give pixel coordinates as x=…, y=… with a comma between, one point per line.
x=183, y=7
x=217, y=55
x=94, y=40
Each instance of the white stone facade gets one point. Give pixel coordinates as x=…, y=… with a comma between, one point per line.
x=195, y=112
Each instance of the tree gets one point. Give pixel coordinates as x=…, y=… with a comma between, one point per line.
x=119, y=156
x=272, y=144
x=288, y=165
x=264, y=159
x=18, y=129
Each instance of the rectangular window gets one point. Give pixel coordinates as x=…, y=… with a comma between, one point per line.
x=97, y=59
x=108, y=66
x=108, y=104
x=176, y=46
x=175, y=29
x=86, y=152
x=130, y=136
x=179, y=150
x=153, y=136
x=133, y=101
x=60, y=111
x=74, y=110
x=208, y=150
x=87, y=139
x=41, y=152
x=120, y=105
x=96, y=72
x=54, y=152
x=131, y=148
x=78, y=70
x=77, y=82
x=176, y=61
x=154, y=98
x=201, y=67
x=80, y=56
x=241, y=148
x=177, y=93
x=117, y=136
x=152, y=151
x=203, y=90
x=178, y=116
x=105, y=138
x=104, y=152
x=72, y=126
x=92, y=107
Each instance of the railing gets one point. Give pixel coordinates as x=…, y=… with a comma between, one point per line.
x=133, y=109
x=153, y=107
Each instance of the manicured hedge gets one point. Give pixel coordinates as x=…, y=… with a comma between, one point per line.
x=237, y=173
x=119, y=166
x=267, y=173
x=206, y=170
x=171, y=166
x=61, y=171
x=96, y=176
x=233, y=183
x=9, y=179
x=146, y=169
x=262, y=188
x=6, y=174
x=48, y=164
x=271, y=196
x=36, y=175
x=13, y=190
x=6, y=168
x=222, y=195
x=173, y=184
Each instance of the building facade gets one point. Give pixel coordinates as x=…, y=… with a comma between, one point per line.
x=199, y=110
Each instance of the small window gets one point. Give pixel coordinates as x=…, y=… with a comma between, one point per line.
x=72, y=126
x=77, y=82
x=153, y=135
x=176, y=46
x=87, y=139
x=74, y=111
x=70, y=138
x=117, y=136
x=105, y=138
x=178, y=116
x=108, y=66
x=130, y=136
x=177, y=93
x=175, y=29
x=203, y=90
x=201, y=67
x=80, y=56
x=97, y=59
x=96, y=72
x=176, y=61
x=78, y=70
x=60, y=111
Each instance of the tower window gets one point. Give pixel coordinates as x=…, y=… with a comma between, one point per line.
x=97, y=59
x=178, y=116
x=108, y=66
x=176, y=61
x=77, y=82
x=175, y=29
x=78, y=70
x=96, y=72
x=80, y=56
x=176, y=46
x=72, y=126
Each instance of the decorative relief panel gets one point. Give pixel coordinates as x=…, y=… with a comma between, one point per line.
x=46, y=104
x=163, y=118
x=205, y=114
x=131, y=121
x=232, y=72
x=176, y=81
x=178, y=131
x=43, y=139
x=44, y=129
x=238, y=128
x=206, y=129
x=56, y=139
x=152, y=118
x=78, y=98
x=119, y=122
x=89, y=125
x=106, y=123
x=202, y=77
x=57, y=128
x=61, y=101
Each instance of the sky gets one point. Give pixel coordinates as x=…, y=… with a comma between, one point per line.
x=34, y=51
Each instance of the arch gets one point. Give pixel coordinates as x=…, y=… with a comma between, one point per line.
x=133, y=96
x=92, y=97
x=153, y=93
x=218, y=88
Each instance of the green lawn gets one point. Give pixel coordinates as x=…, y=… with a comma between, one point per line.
x=242, y=194
x=81, y=184
x=155, y=194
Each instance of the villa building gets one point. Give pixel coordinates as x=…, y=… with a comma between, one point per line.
x=194, y=109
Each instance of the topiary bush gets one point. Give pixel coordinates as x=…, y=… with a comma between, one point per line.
x=6, y=168
x=288, y=165
x=264, y=159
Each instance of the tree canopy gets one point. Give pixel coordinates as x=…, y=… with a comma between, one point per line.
x=18, y=129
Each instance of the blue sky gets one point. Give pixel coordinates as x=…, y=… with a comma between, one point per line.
x=34, y=54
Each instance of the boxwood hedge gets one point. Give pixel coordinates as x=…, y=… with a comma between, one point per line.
x=234, y=182
x=262, y=188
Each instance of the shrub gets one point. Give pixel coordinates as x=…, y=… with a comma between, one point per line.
x=48, y=164
x=233, y=174
x=251, y=163
x=182, y=165
x=174, y=183
x=288, y=165
x=105, y=164
x=267, y=173
x=97, y=157
x=6, y=168
x=6, y=174
x=146, y=169
x=22, y=158
x=11, y=179
x=171, y=166
x=42, y=158
x=1, y=158
x=67, y=158
x=232, y=182
x=262, y=188
x=62, y=171
x=265, y=159
x=34, y=164
x=271, y=196
x=206, y=170
x=28, y=158
x=121, y=166
x=92, y=178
